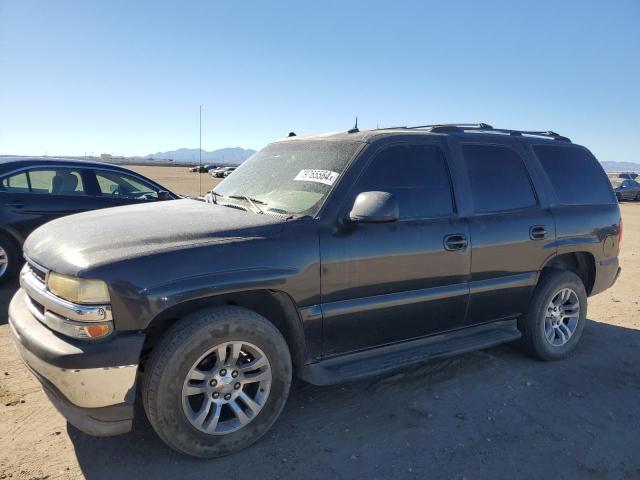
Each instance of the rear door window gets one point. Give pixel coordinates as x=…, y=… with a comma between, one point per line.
x=56, y=181
x=498, y=178
x=52, y=181
x=576, y=176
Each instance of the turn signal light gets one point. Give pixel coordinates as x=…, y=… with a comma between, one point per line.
x=95, y=331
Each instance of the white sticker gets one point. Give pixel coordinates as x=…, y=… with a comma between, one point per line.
x=320, y=176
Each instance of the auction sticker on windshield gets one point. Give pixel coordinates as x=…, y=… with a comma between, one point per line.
x=320, y=176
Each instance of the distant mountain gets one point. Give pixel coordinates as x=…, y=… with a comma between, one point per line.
x=190, y=156
x=620, y=166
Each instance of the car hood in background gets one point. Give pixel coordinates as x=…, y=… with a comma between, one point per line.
x=87, y=240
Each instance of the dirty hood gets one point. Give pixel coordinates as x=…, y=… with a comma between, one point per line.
x=79, y=242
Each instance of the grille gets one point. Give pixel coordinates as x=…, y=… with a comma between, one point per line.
x=37, y=306
x=37, y=272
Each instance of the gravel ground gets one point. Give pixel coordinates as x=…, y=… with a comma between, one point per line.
x=491, y=414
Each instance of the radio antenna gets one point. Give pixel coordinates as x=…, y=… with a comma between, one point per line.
x=355, y=127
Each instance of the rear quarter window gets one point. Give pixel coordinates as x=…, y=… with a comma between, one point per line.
x=575, y=174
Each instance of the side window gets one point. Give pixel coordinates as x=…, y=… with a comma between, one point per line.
x=417, y=177
x=56, y=181
x=18, y=183
x=575, y=175
x=121, y=185
x=498, y=178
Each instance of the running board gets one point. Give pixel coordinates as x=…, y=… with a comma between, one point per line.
x=392, y=357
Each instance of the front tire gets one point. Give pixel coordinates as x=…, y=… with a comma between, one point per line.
x=9, y=258
x=217, y=381
x=554, y=323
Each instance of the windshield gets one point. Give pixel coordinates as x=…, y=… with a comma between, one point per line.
x=291, y=177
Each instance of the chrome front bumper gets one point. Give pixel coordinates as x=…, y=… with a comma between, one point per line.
x=84, y=380
x=86, y=387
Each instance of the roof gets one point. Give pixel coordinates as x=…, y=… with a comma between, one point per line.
x=443, y=129
x=8, y=161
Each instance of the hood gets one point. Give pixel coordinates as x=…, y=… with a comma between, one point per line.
x=78, y=242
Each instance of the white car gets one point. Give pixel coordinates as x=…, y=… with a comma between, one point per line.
x=221, y=172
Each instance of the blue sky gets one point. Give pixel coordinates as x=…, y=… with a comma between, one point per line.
x=126, y=77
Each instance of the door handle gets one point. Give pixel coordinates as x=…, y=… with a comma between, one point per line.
x=455, y=241
x=537, y=232
x=14, y=205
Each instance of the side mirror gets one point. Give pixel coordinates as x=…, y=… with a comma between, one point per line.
x=164, y=195
x=374, y=207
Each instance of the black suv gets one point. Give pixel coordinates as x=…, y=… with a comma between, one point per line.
x=333, y=257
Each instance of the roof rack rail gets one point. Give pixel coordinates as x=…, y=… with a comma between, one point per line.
x=484, y=127
x=447, y=127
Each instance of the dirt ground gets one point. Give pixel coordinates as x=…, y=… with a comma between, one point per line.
x=492, y=414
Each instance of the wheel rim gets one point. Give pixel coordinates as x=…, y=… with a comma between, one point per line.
x=226, y=388
x=4, y=261
x=562, y=316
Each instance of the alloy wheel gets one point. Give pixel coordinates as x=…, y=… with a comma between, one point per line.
x=4, y=261
x=562, y=316
x=226, y=388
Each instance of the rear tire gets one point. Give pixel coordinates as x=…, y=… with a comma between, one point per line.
x=554, y=323
x=10, y=259
x=238, y=397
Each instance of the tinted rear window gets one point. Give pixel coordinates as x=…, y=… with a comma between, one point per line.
x=498, y=179
x=575, y=175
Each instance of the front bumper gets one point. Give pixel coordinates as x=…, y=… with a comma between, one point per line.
x=91, y=383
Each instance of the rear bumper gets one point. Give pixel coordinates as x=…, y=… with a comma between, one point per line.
x=92, y=384
x=607, y=272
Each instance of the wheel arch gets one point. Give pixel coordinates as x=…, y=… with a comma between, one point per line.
x=12, y=236
x=275, y=305
x=581, y=263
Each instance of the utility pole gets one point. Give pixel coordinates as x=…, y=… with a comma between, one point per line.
x=200, y=153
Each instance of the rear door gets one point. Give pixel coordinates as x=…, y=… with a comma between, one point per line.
x=37, y=195
x=512, y=234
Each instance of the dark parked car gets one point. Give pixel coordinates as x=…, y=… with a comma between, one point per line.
x=625, y=175
x=34, y=191
x=626, y=189
x=317, y=260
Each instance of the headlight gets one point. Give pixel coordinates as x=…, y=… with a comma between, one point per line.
x=78, y=290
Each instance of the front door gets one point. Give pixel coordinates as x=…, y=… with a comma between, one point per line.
x=388, y=282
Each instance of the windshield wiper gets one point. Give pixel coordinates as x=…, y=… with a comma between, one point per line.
x=214, y=195
x=251, y=201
